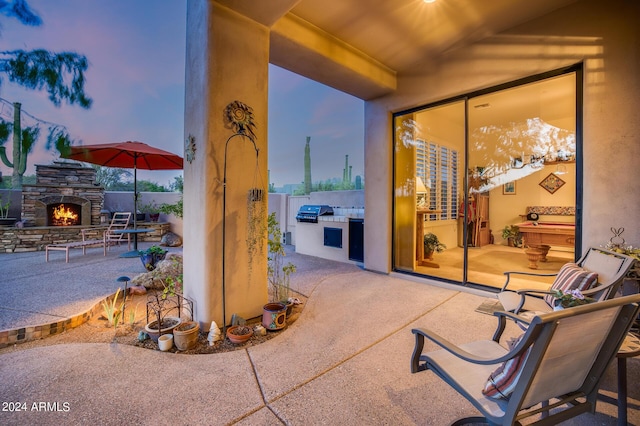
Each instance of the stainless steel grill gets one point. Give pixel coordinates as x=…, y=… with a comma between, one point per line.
x=309, y=213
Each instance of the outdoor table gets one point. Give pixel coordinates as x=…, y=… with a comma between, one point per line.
x=135, y=232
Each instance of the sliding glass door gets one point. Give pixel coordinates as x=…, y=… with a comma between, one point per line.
x=487, y=182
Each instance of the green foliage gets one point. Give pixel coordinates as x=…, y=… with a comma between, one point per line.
x=432, y=244
x=512, y=231
x=60, y=74
x=570, y=299
x=113, y=178
x=174, y=209
x=21, y=11
x=150, y=207
x=149, y=186
x=112, y=310
x=43, y=70
x=177, y=185
x=278, y=273
x=4, y=208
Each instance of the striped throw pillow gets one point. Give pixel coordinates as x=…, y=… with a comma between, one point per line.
x=572, y=277
x=503, y=380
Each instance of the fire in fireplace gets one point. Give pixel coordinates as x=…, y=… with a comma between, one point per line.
x=64, y=214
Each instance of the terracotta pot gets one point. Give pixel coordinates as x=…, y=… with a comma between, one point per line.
x=169, y=324
x=274, y=316
x=185, y=335
x=238, y=338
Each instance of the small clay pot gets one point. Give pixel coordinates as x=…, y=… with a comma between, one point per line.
x=239, y=338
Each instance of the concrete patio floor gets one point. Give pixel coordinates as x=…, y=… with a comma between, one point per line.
x=345, y=361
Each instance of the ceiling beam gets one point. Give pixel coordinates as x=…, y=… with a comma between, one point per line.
x=305, y=49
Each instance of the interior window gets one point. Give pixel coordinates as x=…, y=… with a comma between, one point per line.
x=511, y=206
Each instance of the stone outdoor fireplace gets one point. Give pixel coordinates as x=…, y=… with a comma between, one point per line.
x=65, y=194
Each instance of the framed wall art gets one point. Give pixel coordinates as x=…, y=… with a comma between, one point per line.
x=551, y=183
x=509, y=188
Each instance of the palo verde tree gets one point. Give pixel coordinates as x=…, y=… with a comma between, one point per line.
x=60, y=74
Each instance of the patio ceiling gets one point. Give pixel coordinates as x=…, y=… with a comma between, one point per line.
x=361, y=46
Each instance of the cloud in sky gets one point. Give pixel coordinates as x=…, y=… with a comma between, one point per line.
x=136, y=51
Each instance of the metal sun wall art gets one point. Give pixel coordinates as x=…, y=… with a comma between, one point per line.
x=552, y=183
x=239, y=118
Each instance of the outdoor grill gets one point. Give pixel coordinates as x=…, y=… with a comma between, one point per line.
x=310, y=213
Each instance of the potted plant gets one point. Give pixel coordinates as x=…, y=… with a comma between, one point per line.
x=161, y=304
x=152, y=209
x=238, y=334
x=569, y=299
x=432, y=245
x=151, y=256
x=511, y=233
x=278, y=275
x=5, y=220
x=256, y=230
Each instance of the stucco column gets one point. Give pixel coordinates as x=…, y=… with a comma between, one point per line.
x=227, y=60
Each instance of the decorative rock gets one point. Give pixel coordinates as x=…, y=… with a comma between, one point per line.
x=171, y=240
x=259, y=330
x=171, y=266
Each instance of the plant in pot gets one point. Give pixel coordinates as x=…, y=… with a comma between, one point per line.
x=152, y=209
x=151, y=256
x=432, y=245
x=511, y=233
x=185, y=334
x=256, y=231
x=161, y=304
x=239, y=334
x=5, y=220
x=278, y=274
x=162, y=322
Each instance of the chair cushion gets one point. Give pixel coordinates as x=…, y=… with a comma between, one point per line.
x=504, y=379
x=572, y=277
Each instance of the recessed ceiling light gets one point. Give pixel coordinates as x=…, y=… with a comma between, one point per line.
x=429, y=1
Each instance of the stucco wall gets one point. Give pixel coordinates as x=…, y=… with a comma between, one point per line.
x=604, y=36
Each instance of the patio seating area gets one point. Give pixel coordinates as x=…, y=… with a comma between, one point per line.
x=346, y=360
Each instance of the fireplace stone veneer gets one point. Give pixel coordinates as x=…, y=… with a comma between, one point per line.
x=62, y=183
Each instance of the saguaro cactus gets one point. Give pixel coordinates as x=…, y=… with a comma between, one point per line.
x=307, y=166
x=24, y=140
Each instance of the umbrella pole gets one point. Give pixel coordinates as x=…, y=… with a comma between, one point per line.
x=135, y=194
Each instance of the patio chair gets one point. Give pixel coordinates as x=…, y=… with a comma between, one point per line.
x=119, y=222
x=558, y=364
x=597, y=274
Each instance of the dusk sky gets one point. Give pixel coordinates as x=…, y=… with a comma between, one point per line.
x=136, y=53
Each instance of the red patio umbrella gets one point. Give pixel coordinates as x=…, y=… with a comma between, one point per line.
x=127, y=155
